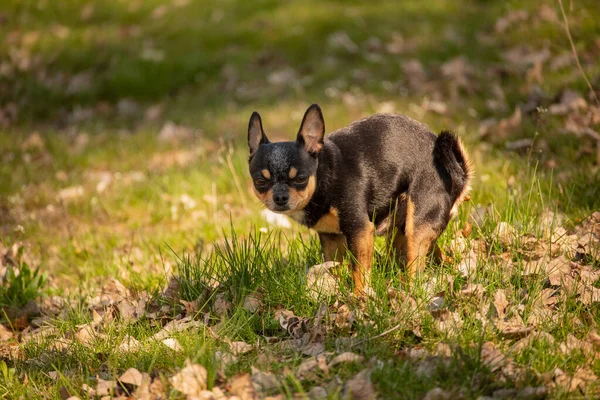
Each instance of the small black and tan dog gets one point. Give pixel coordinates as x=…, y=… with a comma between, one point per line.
x=385, y=173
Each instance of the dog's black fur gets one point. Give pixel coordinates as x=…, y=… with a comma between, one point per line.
x=351, y=182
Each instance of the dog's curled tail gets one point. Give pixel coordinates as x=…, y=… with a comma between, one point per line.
x=449, y=152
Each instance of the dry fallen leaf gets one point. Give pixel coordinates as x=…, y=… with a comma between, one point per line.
x=492, y=357
x=264, y=381
x=505, y=233
x=86, y=335
x=252, y=303
x=5, y=334
x=191, y=380
x=105, y=387
x=359, y=387
x=511, y=18
x=468, y=265
x=438, y=394
x=221, y=306
x=241, y=385
x=129, y=344
x=500, y=303
x=320, y=280
x=239, y=347
x=172, y=343
x=306, y=370
x=572, y=344
x=132, y=376
x=472, y=289
x=347, y=357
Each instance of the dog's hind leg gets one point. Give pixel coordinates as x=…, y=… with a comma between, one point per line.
x=396, y=237
x=333, y=246
x=423, y=227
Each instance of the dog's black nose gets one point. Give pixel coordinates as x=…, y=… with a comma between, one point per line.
x=281, y=199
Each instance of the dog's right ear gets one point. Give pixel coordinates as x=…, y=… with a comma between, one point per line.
x=256, y=135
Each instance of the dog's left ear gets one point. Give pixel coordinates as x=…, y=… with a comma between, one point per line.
x=312, y=130
x=256, y=134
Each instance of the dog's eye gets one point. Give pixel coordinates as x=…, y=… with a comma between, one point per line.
x=260, y=182
x=301, y=180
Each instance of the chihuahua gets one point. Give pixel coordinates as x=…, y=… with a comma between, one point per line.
x=386, y=173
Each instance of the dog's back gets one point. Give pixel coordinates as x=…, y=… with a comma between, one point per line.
x=388, y=153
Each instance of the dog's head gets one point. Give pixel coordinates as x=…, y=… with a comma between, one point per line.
x=284, y=173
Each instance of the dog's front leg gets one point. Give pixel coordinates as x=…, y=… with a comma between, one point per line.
x=361, y=242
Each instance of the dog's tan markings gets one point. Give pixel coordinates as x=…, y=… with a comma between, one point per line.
x=361, y=246
x=419, y=241
x=333, y=246
x=329, y=223
x=293, y=172
x=266, y=174
x=300, y=198
x=266, y=198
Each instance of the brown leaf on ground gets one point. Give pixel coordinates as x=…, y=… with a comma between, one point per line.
x=225, y=358
x=132, y=376
x=414, y=72
x=521, y=344
x=588, y=274
x=252, y=303
x=513, y=327
x=359, y=387
x=523, y=56
x=307, y=369
x=176, y=325
x=105, y=388
x=504, y=232
x=241, y=385
x=347, y=357
x=171, y=292
x=594, y=338
x=472, y=290
x=588, y=234
x=509, y=19
x=557, y=269
x=172, y=343
x=500, y=303
x=131, y=311
x=468, y=265
x=5, y=334
x=572, y=344
x=192, y=307
x=439, y=394
x=449, y=322
x=238, y=348
x=86, y=335
x=492, y=357
x=320, y=280
x=582, y=377
x=222, y=306
x=129, y=344
x=191, y=380
x=264, y=381
x=588, y=294
x=569, y=101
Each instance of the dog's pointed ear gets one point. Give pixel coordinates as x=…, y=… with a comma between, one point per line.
x=312, y=130
x=256, y=134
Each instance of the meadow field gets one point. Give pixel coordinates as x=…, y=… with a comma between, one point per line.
x=136, y=262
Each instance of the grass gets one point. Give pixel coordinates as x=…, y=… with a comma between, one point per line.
x=94, y=192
